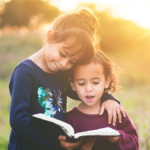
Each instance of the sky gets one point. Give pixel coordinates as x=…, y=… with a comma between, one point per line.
x=137, y=11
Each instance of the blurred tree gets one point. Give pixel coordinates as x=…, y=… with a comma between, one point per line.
x=19, y=12
x=118, y=34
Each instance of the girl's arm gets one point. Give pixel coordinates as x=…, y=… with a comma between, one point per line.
x=129, y=138
x=113, y=107
x=21, y=84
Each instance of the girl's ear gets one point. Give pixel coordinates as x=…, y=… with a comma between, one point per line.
x=108, y=80
x=72, y=84
x=50, y=33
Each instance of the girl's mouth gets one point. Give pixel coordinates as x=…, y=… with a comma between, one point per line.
x=89, y=98
x=57, y=67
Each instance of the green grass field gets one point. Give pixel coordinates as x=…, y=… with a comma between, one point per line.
x=134, y=95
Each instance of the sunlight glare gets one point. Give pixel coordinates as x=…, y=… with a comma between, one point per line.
x=65, y=5
x=134, y=10
x=137, y=13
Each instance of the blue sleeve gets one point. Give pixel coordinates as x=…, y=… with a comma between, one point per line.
x=21, y=84
x=108, y=96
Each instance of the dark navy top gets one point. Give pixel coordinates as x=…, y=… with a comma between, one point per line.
x=36, y=91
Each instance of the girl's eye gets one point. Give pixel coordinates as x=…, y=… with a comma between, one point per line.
x=81, y=84
x=95, y=82
x=72, y=62
x=62, y=54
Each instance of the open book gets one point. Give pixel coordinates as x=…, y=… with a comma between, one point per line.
x=69, y=130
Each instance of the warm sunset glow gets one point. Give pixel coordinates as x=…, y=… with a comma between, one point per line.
x=137, y=11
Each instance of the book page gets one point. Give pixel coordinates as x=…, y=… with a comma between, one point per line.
x=68, y=129
x=98, y=132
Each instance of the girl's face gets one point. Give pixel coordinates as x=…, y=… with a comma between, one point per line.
x=59, y=56
x=89, y=82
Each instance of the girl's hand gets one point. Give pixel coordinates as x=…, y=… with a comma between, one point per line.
x=112, y=139
x=88, y=144
x=114, y=110
x=68, y=145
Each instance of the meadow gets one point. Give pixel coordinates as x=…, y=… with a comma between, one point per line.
x=134, y=95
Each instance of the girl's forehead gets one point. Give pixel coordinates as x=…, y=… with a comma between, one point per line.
x=72, y=47
x=90, y=68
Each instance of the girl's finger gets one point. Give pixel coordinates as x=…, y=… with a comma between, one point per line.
x=119, y=115
x=62, y=138
x=109, y=116
x=114, y=139
x=101, y=109
x=123, y=111
x=114, y=117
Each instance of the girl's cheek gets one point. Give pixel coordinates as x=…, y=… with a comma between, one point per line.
x=69, y=66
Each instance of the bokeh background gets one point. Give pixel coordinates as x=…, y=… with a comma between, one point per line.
x=124, y=36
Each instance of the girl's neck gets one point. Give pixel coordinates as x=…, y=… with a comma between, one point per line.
x=89, y=109
x=39, y=59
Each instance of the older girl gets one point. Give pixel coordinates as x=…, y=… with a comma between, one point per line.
x=39, y=83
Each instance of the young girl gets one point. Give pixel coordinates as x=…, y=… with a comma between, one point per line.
x=39, y=83
x=91, y=81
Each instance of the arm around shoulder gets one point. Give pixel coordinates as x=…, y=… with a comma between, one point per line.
x=108, y=96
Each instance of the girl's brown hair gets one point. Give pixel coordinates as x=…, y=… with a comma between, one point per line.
x=109, y=69
x=82, y=25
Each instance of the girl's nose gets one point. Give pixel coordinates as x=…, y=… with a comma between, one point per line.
x=63, y=63
x=89, y=88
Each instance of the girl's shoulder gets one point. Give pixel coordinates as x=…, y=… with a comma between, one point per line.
x=27, y=66
x=24, y=65
x=71, y=112
x=22, y=70
x=71, y=115
x=25, y=71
